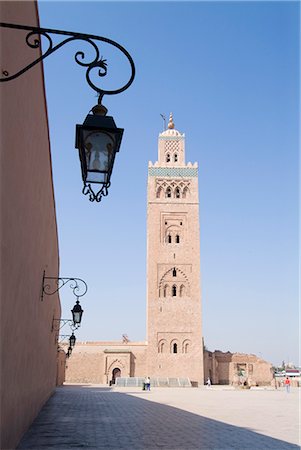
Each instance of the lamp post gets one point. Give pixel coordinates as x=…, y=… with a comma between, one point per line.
x=97, y=139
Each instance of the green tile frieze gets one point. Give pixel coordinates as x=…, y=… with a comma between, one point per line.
x=171, y=138
x=173, y=171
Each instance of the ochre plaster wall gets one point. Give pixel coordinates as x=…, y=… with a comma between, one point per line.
x=224, y=368
x=86, y=365
x=28, y=235
x=93, y=362
x=61, y=367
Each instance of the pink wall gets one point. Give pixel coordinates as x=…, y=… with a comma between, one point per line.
x=29, y=242
x=61, y=367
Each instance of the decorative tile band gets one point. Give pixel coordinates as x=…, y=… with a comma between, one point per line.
x=172, y=138
x=173, y=171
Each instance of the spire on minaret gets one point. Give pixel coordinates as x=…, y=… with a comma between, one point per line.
x=171, y=148
x=171, y=125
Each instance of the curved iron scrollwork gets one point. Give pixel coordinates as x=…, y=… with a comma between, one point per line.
x=63, y=337
x=78, y=286
x=33, y=40
x=103, y=192
x=58, y=324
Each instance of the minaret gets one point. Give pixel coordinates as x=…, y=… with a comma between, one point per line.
x=173, y=263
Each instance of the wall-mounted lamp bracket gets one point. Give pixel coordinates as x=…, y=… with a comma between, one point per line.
x=58, y=324
x=78, y=285
x=33, y=40
x=63, y=337
x=71, y=338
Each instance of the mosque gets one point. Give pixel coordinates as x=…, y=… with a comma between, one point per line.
x=173, y=351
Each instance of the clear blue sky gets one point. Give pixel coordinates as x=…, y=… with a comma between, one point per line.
x=229, y=71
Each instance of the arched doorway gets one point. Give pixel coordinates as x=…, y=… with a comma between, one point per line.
x=115, y=374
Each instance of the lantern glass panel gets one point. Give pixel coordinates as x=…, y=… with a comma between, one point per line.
x=77, y=317
x=99, y=152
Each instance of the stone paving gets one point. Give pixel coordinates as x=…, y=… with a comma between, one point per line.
x=97, y=417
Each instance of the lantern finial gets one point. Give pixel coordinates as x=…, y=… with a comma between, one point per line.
x=99, y=109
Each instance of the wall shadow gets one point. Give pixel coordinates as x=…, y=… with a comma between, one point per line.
x=87, y=385
x=97, y=418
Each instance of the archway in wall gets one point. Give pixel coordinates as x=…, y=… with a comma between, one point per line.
x=116, y=373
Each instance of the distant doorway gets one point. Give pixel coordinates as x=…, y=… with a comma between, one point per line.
x=116, y=373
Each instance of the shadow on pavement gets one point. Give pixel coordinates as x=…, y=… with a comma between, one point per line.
x=77, y=417
x=90, y=386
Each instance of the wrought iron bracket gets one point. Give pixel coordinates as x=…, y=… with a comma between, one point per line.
x=33, y=40
x=58, y=324
x=78, y=286
x=62, y=338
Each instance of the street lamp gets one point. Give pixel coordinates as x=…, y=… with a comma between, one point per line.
x=97, y=139
x=51, y=285
x=79, y=288
x=72, y=340
x=77, y=313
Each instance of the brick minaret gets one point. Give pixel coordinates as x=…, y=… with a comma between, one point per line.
x=173, y=263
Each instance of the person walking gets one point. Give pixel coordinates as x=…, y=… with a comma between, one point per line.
x=208, y=382
x=148, y=383
x=287, y=383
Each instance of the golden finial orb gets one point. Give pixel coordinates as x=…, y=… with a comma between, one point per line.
x=171, y=125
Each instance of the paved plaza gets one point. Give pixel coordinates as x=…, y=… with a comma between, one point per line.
x=97, y=417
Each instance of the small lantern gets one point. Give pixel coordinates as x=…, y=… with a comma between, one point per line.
x=97, y=140
x=77, y=313
x=72, y=340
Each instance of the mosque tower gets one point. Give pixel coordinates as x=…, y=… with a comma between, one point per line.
x=174, y=331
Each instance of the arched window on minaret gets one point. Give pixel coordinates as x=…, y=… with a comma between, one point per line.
x=168, y=192
x=185, y=192
x=159, y=192
x=167, y=157
x=161, y=346
x=175, y=157
x=174, y=272
x=177, y=239
x=168, y=239
x=165, y=291
x=175, y=348
x=182, y=290
x=177, y=193
x=174, y=290
x=186, y=345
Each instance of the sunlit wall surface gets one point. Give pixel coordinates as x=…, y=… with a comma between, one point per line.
x=28, y=235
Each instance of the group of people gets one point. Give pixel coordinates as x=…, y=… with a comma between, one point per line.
x=146, y=384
